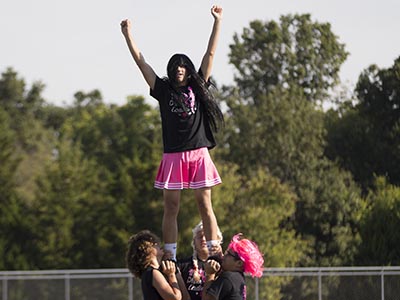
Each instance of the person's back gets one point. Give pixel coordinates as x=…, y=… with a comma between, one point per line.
x=232, y=286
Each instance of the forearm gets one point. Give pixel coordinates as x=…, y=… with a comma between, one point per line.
x=175, y=285
x=213, y=41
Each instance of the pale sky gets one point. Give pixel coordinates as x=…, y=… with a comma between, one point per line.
x=77, y=45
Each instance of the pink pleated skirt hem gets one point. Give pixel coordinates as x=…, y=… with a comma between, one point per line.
x=192, y=169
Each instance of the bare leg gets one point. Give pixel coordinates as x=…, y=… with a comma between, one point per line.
x=171, y=210
x=203, y=197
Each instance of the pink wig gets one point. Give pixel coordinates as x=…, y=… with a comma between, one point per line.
x=250, y=255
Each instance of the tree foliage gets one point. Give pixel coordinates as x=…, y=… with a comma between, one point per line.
x=328, y=214
x=283, y=72
x=365, y=137
x=15, y=230
x=283, y=132
x=296, y=51
x=379, y=226
x=81, y=224
x=33, y=142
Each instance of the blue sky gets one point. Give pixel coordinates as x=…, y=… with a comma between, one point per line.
x=73, y=45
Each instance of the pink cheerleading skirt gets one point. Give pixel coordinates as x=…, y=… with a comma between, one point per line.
x=192, y=169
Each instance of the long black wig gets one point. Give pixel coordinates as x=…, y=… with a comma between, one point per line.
x=199, y=86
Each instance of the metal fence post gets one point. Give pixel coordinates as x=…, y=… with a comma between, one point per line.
x=5, y=289
x=130, y=287
x=319, y=285
x=67, y=284
x=256, y=289
x=382, y=285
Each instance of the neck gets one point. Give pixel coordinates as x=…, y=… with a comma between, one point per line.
x=202, y=255
x=154, y=263
x=182, y=83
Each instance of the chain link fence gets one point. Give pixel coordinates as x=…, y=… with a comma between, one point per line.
x=342, y=283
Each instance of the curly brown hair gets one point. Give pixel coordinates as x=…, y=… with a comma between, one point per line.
x=139, y=249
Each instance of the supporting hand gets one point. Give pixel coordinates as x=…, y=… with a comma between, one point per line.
x=211, y=267
x=168, y=267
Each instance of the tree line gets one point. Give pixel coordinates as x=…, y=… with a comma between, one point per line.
x=312, y=186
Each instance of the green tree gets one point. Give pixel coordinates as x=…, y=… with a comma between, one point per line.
x=283, y=132
x=297, y=51
x=125, y=140
x=15, y=227
x=14, y=97
x=284, y=72
x=82, y=226
x=365, y=137
x=380, y=226
x=33, y=142
x=328, y=213
x=8, y=159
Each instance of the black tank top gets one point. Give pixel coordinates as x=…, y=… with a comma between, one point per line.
x=149, y=292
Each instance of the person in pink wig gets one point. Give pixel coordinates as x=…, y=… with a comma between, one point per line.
x=241, y=257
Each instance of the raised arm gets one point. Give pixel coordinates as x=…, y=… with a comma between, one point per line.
x=147, y=71
x=207, y=62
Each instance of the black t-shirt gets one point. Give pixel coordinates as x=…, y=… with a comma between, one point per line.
x=148, y=290
x=184, y=121
x=228, y=286
x=193, y=286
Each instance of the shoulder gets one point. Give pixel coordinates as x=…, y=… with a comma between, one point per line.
x=151, y=271
x=161, y=82
x=157, y=276
x=161, y=85
x=207, y=83
x=229, y=275
x=228, y=280
x=147, y=274
x=200, y=72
